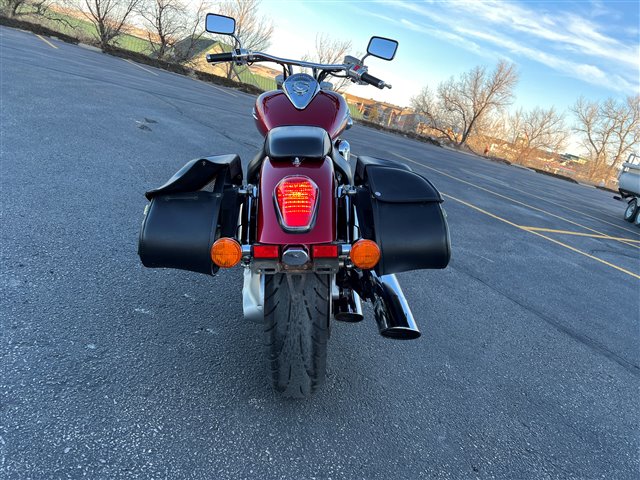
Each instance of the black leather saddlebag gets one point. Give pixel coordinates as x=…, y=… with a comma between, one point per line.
x=180, y=224
x=402, y=212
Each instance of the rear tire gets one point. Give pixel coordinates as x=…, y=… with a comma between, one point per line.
x=297, y=311
x=631, y=210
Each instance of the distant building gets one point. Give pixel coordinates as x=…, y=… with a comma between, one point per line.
x=568, y=157
x=373, y=110
x=410, y=121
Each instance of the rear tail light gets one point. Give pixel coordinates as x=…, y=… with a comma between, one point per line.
x=365, y=254
x=266, y=251
x=226, y=252
x=296, y=202
x=325, y=251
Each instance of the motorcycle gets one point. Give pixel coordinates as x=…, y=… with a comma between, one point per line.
x=316, y=229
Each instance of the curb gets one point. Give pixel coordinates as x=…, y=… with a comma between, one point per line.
x=523, y=168
x=606, y=189
x=90, y=47
x=33, y=28
x=470, y=154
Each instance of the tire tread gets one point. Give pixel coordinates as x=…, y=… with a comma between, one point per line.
x=296, y=337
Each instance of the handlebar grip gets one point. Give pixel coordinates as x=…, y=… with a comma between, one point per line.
x=219, y=57
x=371, y=80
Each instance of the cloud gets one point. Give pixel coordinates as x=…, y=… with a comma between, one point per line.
x=585, y=72
x=564, y=29
x=450, y=36
x=595, y=57
x=437, y=33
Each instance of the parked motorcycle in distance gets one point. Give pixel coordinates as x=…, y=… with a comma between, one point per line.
x=316, y=230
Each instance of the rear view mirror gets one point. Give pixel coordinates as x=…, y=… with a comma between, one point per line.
x=220, y=24
x=381, y=47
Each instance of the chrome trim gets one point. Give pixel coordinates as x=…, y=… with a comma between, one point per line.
x=251, y=56
x=344, y=149
x=253, y=296
x=331, y=265
x=356, y=226
x=300, y=89
x=348, y=307
x=295, y=256
x=265, y=268
x=247, y=190
x=238, y=42
x=335, y=290
x=391, y=309
x=354, y=70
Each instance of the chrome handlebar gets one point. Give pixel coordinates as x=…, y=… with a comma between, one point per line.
x=260, y=56
x=356, y=72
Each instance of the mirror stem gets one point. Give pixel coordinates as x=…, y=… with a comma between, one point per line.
x=238, y=43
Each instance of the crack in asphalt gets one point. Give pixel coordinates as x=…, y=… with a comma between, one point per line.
x=204, y=124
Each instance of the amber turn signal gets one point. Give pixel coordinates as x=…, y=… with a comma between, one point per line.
x=365, y=254
x=226, y=252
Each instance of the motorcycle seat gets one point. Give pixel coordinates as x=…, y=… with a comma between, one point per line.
x=297, y=141
x=285, y=143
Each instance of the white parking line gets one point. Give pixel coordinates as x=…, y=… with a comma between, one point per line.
x=557, y=242
x=46, y=41
x=218, y=88
x=635, y=232
x=140, y=67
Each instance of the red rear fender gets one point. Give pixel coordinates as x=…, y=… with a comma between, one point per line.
x=324, y=228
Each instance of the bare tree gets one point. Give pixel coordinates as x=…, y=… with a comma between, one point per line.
x=513, y=126
x=436, y=116
x=36, y=8
x=194, y=32
x=165, y=22
x=476, y=94
x=609, y=131
x=460, y=105
x=536, y=130
x=11, y=7
x=331, y=50
x=253, y=29
x=171, y=24
x=107, y=16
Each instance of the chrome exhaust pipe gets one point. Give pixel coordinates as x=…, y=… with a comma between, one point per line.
x=391, y=309
x=253, y=296
x=348, y=307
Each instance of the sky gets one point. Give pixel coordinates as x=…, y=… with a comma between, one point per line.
x=562, y=49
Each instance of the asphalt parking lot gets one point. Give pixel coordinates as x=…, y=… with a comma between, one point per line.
x=528, y=366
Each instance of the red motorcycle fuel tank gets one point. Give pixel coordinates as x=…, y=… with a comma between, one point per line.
x=269, y=229
x=327, y=110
